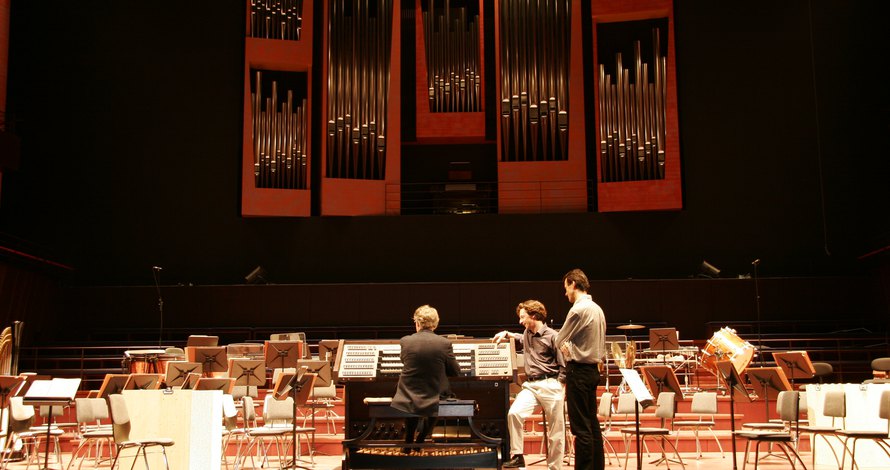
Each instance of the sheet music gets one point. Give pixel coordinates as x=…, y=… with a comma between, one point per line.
x=53, y=389
x=637, y=387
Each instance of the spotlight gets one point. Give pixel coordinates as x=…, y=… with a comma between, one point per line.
x=257, y=276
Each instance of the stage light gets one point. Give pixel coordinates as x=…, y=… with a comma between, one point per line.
x=708, y=270
x=257, y=276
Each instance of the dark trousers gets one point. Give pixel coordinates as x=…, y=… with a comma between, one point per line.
x=581, y=383
x=425, y=424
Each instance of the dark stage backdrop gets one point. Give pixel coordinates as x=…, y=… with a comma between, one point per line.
x=130, y=117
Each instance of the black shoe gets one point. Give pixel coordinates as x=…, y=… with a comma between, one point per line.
x=516, y=462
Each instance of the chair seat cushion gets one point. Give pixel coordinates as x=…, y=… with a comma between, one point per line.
x=694, y=423
x=822, y=429
x=157, y=441
x=651, y=431
x=764, y=435
x=763, y=425
x=863, y=434
x=97, y=434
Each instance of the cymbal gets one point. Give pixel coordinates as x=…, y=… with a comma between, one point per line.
x=630, y=326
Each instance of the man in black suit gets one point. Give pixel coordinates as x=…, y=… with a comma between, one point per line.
x=427, y=362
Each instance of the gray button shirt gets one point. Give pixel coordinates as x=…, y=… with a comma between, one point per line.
x=541, y=355
x=584, y=332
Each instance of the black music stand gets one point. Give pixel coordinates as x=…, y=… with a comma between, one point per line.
x=143, y=382
x=212, y=358
x=664, y=339
x=215, y=383
x=178, y=371
x=282, y=354
x=298, y=385
x=736, y=387
x=323, y=378
x=768, y=382
x=248, y=372
x=190, y=381
x=245, y=350
x=49, y=393
x=329, y=347
x=113, y=384
x=643, y=398
x=795, y=364
x=660, y=379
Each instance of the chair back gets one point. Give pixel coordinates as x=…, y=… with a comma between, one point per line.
x=329, y=391
x=120, y=418
x=21, y=416
x=704, y=403
x=884, y=409
x=278, y=411
x=835, y=404
x=787, y=405
x=230, y=413
x=626, y=402
x=249, y=411
x=604, y=408
x=822, y=369
x=239, y=391
x=666, y=408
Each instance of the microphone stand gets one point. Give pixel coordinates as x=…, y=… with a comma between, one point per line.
x=756, y=263
x=156, y=274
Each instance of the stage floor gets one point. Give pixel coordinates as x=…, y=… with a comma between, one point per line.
x=710, y=461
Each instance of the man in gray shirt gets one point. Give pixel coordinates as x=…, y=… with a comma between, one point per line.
x=582, y=342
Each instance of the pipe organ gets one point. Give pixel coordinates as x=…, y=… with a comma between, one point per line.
x=359, y=42
x=451, y=43
x=371, y=368
x=534, y=42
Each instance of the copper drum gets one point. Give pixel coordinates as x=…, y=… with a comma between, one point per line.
x=726, y=345
x=165, y=358
x=142, y=361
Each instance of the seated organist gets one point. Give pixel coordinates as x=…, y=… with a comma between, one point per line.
x=427, y=362
x=545, y=372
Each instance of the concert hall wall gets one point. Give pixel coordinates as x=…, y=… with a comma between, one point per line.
x=130, y=117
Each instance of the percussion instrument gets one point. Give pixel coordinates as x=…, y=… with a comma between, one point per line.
x=141, y=361
x=630, y=326
x=726, y=345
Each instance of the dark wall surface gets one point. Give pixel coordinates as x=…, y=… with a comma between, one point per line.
x=130, y=118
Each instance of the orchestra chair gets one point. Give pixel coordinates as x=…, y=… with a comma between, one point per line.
x=704, y=404
x=31, y=435
x=604, y=412
x=280, y=414
x=230, y=427
x=666, y=409
x=120, y=425
x=823, y=370
x=783, y=438
x=835, y=406
x=881, y=365
x=322, y=403
x=92, y=434
x=261, y=437
x=625, y=407
x=878, y=437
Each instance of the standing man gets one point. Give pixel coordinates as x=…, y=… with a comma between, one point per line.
x=582, y=342
x=545, y=372
x=427, y=362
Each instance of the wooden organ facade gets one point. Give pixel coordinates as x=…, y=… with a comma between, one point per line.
x=549, y=158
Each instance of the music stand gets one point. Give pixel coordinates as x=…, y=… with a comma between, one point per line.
x=298, y=384
x=190, y=380
x=178, y=371
x=143, y=382
x=49, y=393
x=328, y=347
x=643, y=398
x=795, y=364
x=730, y=376
x=248, y=372
x=245, y=350
x=770, y=380
x=282, y=354
x=660, y=378
x=215, y=383
x=665, y=339
x=113, y=384
x=213, y=358
x=202, y=340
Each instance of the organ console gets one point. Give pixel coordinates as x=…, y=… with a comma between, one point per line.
x=374, y=435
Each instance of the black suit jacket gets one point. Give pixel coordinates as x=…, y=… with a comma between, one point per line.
x=427, y=362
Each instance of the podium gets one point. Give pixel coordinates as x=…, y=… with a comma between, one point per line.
x=192, y=418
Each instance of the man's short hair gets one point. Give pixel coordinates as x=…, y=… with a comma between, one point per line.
x=534, y=308
x=579, y=278
x=427, y=317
